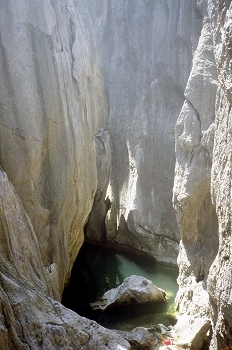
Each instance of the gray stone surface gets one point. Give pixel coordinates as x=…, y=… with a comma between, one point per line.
x=146, y=50
x=52, y=105
x=133, y=290
x=29, y=318
x=196, y=214
x=67, y=73
x=191, y=332
x=90, y=92
x=141, y=338
x=202, y=187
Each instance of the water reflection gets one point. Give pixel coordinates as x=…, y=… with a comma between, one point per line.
x=97, y=270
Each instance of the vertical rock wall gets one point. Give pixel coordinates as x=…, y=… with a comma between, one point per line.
x=220, y=287
x=90, y=93
x=145, y=53
x=52, y=104
x=29, y=317
x=202, y=189
x=52, y=109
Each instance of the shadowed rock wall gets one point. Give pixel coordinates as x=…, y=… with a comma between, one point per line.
x=29, y=317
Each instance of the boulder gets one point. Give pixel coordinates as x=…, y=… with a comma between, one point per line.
x=140, y=338
x=191, y=331
x=133, y=290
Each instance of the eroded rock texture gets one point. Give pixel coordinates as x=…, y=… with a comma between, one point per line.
x=145, y=55
x=29, y=317
x=53, y=107
x=74, y=74
x=202, y=190
x=52, y=104
x=134, y=290
x=90, y=92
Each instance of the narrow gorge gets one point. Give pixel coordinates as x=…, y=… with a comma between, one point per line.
x=115, y=129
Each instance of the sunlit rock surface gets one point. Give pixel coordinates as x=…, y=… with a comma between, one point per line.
x=52, y=105
x=90, y=92
x=202, y=189
x=191, y=332
x=134, y=290
x=145, y=55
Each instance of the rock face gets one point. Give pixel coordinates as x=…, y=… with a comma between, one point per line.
x=66, y=76
x=191, y=332
x=141, y=338
x=133, y=290
x=90, y=92
x=202, y=188
x=145, y=55
x=52, y=105
x=57, y=67
x=30, y=319
x=194, y=146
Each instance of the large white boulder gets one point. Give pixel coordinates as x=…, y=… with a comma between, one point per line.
x=133, y=290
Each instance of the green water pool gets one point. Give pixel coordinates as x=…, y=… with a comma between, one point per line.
x=98, y=269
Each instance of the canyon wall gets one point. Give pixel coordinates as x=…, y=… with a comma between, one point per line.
x=52, y=105
x=53, y=109
x=29, y=317
x=90, y=93
x=63, y=66
x=202, y=188
x=145, y=51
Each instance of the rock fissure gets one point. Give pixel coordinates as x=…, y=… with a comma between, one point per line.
x=157, y=234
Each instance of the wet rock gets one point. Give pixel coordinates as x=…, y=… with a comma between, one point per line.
x=133, y=290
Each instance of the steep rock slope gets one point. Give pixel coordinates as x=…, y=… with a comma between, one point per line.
x=145, y=53
x=202, y=190
x=29, y=318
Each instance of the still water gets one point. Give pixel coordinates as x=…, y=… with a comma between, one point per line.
x=97, y=270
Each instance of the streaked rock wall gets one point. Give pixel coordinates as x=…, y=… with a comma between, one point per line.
x=145, y=55
x=52, y=104
x=90, y=93
x=202, y=190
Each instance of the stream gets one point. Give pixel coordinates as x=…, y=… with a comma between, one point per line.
x=98, y=269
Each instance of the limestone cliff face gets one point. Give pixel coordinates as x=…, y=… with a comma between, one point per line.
x=145, y=53
x=90, y=92
x=53, y=108
x=202, y=189
x=52, y=105
x=83, y=83
x=29, y=317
